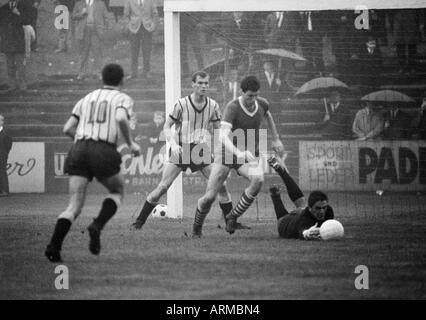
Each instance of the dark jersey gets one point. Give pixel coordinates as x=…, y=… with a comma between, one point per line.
x=246, y=122
x=294, y=223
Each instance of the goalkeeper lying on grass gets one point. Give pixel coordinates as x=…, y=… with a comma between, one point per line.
x=305, y=221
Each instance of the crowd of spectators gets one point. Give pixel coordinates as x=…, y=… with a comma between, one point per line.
x=356, y=51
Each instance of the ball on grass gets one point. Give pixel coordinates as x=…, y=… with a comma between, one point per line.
x=160, y=211
x=331, y=230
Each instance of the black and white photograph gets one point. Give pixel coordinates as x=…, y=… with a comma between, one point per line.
x=212, y=155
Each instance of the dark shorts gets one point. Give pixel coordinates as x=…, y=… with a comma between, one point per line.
x=194, y=156
x=88, y=158
x=223, y=157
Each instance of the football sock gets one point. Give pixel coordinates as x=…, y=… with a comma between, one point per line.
x=242, y=206
x=280, y=210
x=226, y=208
x=293, y=189
x=61, y=229
x=109, y=208
x=200, y=217
x=145, y=212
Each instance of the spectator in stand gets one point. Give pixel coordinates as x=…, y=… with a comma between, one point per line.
x=32, y=16
x=310, y=26
x=143, y=20
x=279, y=32
x=13, y=16
x=368, y=123
x=420, y=121
x=408, y=24
x=238, y=30
x=156, y=136
x=190, y=36
x=368, y=64
x=342, y=38
x=271, y=85
x=337, y=119
x=233, y=84
x=65, y=35
x=5, y=146
x=91, y=18
x=398, y=124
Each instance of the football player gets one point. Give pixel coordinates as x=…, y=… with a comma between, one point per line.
x=191, y=116
x=243, y=117
x=305, y=221
x=94, y=126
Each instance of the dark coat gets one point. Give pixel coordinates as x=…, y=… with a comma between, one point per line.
x=265, y=88
x=12, y=33
x=339, y=127
x=280, y=37
x=239, y=36
x=5, y=146
x=369, y=66
x=399, y=127
x=421, y=125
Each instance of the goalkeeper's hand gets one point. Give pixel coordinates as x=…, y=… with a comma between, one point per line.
x=313, y=233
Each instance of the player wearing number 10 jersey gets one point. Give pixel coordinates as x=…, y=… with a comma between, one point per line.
x=94, y=125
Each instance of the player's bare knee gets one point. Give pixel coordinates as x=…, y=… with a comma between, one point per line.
x=162, y=188
x=208, y=199
x=257, y=182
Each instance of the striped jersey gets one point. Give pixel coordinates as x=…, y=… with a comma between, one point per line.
x=192, y=124
x=96, y=114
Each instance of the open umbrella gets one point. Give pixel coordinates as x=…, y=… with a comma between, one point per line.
x=321, y=88
x=281, y=53
x=387, y=96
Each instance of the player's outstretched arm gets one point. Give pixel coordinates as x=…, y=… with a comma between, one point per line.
x=122, y=118
x=71, y=126
x=224, y=131
x=277, y=145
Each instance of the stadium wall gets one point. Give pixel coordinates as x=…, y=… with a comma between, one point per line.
x=362, y=166
x=37, y=167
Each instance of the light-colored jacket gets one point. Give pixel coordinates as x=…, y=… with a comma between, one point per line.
x=100, y=17
x=368, y=124
x=146, y=15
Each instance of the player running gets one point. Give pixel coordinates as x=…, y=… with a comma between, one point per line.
x=305, y=221
x=94, y=125
x=242, y=117
x=189, y=147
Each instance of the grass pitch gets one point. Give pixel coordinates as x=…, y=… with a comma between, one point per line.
x=160, y=262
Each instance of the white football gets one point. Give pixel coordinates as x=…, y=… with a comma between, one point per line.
x=160, y=211
x=331, y=229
